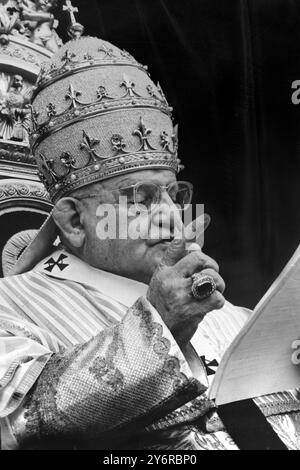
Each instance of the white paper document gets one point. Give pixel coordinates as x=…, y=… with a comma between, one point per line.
x=265, y=357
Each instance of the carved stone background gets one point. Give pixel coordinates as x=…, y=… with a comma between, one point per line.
x=24, y=205
x=14, y=153
x=28, y=39
x=18, y=189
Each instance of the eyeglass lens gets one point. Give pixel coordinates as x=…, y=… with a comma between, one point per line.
x=147, y=194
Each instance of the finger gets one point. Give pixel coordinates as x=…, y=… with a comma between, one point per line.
x=219, y=281
x=215, y=301
x=196, y=228
x=199, y=308
x=195, y=262
x=192, y=247
x=174, y=253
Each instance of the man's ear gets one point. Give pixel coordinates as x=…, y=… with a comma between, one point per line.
x=66, y=215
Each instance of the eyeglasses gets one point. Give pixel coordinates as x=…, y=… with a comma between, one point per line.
x=146, y=195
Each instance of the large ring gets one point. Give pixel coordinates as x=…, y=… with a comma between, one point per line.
x=203, y=286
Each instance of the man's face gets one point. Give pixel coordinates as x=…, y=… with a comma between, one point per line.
x=133, y=258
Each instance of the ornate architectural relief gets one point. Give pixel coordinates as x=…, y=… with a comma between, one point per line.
x=31, y=20
x=27, y=39
x=17, y=154
x=22, y=190
x=14, y=108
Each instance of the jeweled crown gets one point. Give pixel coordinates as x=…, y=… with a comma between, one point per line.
x=96, y=114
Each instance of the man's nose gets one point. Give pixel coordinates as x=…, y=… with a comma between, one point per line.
x=166, y=216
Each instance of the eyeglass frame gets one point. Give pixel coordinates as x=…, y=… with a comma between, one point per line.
x=136, y=185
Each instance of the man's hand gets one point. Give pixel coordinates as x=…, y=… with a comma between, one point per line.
x=170, y=290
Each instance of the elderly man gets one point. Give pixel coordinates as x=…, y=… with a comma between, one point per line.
x=96, y=336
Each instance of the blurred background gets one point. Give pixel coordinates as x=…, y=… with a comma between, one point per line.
x=226, y=66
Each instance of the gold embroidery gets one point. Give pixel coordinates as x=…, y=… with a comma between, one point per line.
x=188, y=413
x=73, y=399
x=279, y=403
x=161, y=346
x=103, y=368
x=18, y=330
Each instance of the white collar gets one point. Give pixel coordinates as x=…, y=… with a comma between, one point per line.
x=63, y=265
